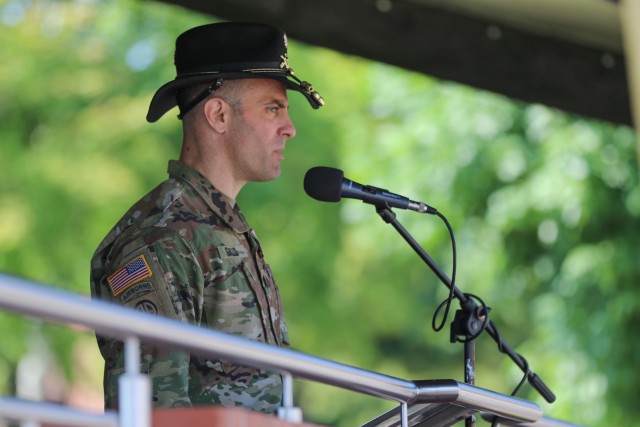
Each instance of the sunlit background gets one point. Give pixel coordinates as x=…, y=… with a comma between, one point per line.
x=544, y=206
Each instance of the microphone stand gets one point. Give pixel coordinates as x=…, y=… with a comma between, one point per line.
x=469, y=320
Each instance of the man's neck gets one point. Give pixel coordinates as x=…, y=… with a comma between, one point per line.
x=212, y=167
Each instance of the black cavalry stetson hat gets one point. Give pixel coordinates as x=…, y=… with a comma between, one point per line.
x=229, y=50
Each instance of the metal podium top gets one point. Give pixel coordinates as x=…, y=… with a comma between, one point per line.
x=442, y=403
x=424, y=415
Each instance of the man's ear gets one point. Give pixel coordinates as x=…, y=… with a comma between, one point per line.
x=216, y=112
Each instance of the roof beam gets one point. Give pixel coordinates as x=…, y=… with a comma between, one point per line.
x=629, y=17
x=449, y=46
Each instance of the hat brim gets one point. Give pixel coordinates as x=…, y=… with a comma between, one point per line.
x=165, y=98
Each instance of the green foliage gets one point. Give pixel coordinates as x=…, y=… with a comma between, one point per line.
x=544, y=206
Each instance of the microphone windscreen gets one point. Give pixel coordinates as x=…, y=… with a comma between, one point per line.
x=324, y=183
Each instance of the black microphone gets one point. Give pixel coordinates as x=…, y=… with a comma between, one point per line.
x=329, y=185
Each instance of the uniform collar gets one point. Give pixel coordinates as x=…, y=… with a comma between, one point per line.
x=224, y=207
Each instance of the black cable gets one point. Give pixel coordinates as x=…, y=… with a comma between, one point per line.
x=452, y=286
x=525, y=364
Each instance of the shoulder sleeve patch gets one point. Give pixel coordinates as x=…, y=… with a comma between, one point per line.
x=134, y=290
x=129, y=274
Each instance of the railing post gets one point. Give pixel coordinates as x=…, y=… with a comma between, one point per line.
x=288, y=412
x=404, y=414
x=134, y=397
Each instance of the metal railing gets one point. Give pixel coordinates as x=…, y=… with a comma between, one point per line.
x=51, y=304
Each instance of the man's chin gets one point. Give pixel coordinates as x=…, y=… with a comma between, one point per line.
x=268, y=176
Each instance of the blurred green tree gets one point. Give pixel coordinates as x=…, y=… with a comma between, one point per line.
x=544, y=206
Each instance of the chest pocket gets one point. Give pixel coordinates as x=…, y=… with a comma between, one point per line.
x=235, y=301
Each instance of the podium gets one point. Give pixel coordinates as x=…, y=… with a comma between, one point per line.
x=444, y=403
x=217, y=416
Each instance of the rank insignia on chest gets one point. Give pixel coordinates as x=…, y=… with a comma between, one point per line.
x=129, y=274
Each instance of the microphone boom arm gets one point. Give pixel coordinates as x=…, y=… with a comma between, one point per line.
x=389, y=217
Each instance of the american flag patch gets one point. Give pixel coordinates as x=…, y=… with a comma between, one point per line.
x=134, y=271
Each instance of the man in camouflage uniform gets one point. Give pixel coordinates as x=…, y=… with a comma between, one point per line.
x=184, y=250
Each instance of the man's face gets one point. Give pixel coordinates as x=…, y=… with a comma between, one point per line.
x=259, y=131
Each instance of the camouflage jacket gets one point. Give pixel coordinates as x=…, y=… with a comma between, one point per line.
x=184, y=251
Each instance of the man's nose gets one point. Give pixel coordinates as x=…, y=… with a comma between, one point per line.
x=288, y=128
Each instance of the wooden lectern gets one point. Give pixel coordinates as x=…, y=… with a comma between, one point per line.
x=217, y=416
